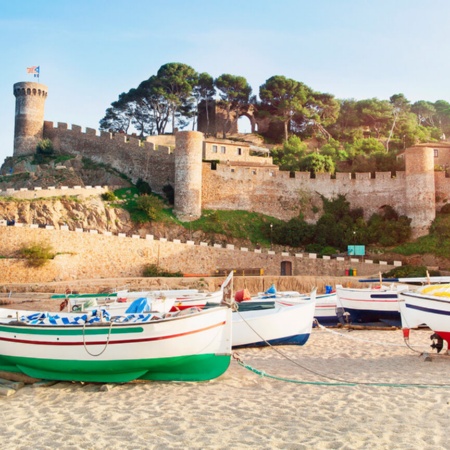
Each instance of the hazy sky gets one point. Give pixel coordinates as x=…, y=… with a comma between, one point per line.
x=90, y=51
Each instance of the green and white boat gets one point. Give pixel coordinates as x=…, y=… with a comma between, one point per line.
x=190, y=345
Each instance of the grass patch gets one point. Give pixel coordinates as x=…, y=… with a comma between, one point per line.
x=37, y=255
x=238, y=224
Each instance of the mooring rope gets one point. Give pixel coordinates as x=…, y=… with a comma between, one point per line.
x=107, y=340
x=352, y=338
x=336, y=381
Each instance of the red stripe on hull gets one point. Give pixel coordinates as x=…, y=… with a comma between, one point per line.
x=129, y=341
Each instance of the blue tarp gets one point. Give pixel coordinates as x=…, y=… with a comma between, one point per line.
x=139, y=305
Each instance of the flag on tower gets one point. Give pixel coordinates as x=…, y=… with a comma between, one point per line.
x=33, y=70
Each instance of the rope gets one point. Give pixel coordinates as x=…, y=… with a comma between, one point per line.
x=336, y=381
x=357, y=339
x=261, y=373
x=107, y=340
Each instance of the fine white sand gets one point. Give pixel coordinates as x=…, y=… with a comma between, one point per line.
x=242, y=410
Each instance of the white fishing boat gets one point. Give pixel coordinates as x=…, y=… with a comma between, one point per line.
x=371, y=304
x=188, y=345
x=430, y=306
x=119, y=303
x=273, y=324
x=325, y=310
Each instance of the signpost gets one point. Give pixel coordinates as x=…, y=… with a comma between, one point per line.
x=356, y=250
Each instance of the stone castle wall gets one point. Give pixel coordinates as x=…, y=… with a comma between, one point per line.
x=127, y=154
x=90, y=255
x=275, y=193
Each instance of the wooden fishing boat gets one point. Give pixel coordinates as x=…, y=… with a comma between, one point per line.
x=430, y=306
x=259, y=323
x=371, y=304
x=325, y=309
x=188, y=345
x=118, y=303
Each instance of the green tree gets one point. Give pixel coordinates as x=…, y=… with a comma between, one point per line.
x=321, y=110
x=400, y=109
x=375, y=114
x=284, y=98
x=204, y=92
x=119, y=116
x=164, y=97
x=317, y=163
x=176, y=83
x=289, y=156
x=425, y=112
x=234, y=92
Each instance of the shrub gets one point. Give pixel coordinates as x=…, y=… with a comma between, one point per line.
x=109, y=196
x=410, y=271
x=37, y=255
x=152, y=270
x=45, y=147
x=151, y=205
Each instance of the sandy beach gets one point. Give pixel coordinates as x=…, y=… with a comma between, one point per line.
x=243, y=410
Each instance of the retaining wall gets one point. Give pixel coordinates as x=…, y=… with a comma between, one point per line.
x=87, y=254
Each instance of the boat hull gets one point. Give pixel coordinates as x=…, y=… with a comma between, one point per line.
x=368, y=304
x=194, y=347
x=418, y=309
x=325, y=310
x=287, y=325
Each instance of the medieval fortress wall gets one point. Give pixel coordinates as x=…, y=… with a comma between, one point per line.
x=237, y=182
x=127, y=154
x=278, y=194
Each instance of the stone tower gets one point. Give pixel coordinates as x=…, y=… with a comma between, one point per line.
x=188, y=175
x=29, y=123
x=420, y=188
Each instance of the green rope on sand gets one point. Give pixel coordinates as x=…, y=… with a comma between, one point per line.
x=261, y=373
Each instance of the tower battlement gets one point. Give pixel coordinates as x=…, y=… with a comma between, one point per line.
x=29, y=118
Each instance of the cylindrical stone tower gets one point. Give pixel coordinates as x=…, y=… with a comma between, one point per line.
x=29, y=124
x=188, y=175
x=420, y=188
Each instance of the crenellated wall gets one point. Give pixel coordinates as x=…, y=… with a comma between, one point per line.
x=127, y=154
x=276, y=193
x=88, y=254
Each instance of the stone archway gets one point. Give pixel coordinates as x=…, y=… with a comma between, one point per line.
x=246, y=124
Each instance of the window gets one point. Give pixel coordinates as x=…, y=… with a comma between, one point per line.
x=436, y=152
x=223, y=149
x=214, y=148
x=239, y=151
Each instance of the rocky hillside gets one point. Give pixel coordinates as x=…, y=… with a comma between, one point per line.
x=29, y=172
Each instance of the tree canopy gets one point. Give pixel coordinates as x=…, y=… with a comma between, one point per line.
x=362, y=132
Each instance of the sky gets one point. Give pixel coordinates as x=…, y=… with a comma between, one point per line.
x=90, y=51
